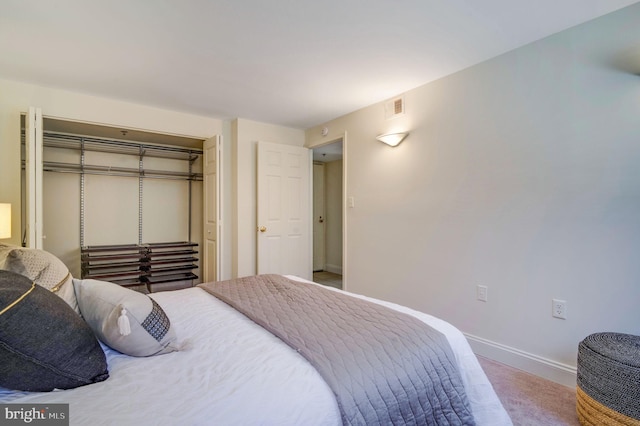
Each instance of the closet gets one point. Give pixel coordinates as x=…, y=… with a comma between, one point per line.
x=123, y=205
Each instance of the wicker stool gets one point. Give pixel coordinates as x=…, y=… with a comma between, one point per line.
x=608, y=390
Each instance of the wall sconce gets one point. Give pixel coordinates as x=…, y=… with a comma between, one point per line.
x=5, y=220
x=392, y=139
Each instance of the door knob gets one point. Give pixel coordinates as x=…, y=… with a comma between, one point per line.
x=263, y=229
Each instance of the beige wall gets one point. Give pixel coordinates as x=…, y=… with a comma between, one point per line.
x=521, y=174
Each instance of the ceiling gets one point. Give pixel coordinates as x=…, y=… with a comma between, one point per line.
x=296, y=63
x=328, y=153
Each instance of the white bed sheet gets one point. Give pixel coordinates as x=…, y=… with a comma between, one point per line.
x=230, y=371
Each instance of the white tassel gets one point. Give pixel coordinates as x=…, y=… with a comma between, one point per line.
x=123, y=323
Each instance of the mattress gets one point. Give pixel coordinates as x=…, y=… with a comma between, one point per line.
x=230, y=371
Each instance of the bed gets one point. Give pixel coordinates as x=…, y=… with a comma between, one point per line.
x=228, y=370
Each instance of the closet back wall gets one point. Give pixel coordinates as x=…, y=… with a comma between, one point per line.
x=112, y=203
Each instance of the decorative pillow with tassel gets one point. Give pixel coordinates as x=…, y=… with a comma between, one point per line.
x=128, y=321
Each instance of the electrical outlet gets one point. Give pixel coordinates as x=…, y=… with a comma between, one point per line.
x=481, y=292
x=559, y=308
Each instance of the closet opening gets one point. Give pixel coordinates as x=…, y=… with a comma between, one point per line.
x=121, y=205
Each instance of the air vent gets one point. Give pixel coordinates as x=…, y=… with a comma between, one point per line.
x=398, y=106
x=394, y=108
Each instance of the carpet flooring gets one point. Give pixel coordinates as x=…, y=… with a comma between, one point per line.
x=531, y=400
x=328, y=278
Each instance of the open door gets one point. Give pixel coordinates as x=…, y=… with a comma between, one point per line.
x=284, y=210
x=212, y=184
x=33, y=181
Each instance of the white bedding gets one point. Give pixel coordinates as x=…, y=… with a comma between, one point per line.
x=231, y=372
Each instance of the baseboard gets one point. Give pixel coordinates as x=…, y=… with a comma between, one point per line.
x=335, y=269
x=542, y=367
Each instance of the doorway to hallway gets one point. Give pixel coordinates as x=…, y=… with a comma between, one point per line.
x=328, y=213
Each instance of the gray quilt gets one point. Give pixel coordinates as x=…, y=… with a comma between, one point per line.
x=384, y=367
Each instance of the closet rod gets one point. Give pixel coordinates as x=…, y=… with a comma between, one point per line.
x=62, y=140
x=51, y=166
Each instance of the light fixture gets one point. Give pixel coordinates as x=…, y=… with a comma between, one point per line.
x=5, y=220
x=392, y=139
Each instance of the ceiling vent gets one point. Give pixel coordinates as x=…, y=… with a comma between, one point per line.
x=394, y=108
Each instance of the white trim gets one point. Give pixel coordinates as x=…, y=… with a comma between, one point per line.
x=219, y=205
x=555, y=371
x=345, y=267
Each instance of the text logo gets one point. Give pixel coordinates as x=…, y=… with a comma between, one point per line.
x=34, y=414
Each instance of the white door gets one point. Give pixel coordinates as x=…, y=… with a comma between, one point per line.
x=318, y=217
x=212, y=184
x=33, y=170
x=284, y=210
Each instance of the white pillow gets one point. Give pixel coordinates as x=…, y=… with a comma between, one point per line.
x=128, y=321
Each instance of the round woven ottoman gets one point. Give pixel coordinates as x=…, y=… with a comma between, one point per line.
x=608, y=391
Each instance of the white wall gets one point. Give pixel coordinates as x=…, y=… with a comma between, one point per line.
x=520, y=173
x=244, y=137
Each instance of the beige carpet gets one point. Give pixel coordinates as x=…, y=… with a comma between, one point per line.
x=531, y=400
x=328, y=278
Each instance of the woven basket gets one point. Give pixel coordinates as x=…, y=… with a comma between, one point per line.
x=608, y=390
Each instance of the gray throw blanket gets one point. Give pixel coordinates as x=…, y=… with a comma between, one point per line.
x=384, y=367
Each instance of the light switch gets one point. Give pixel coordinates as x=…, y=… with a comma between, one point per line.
x=351, y=202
